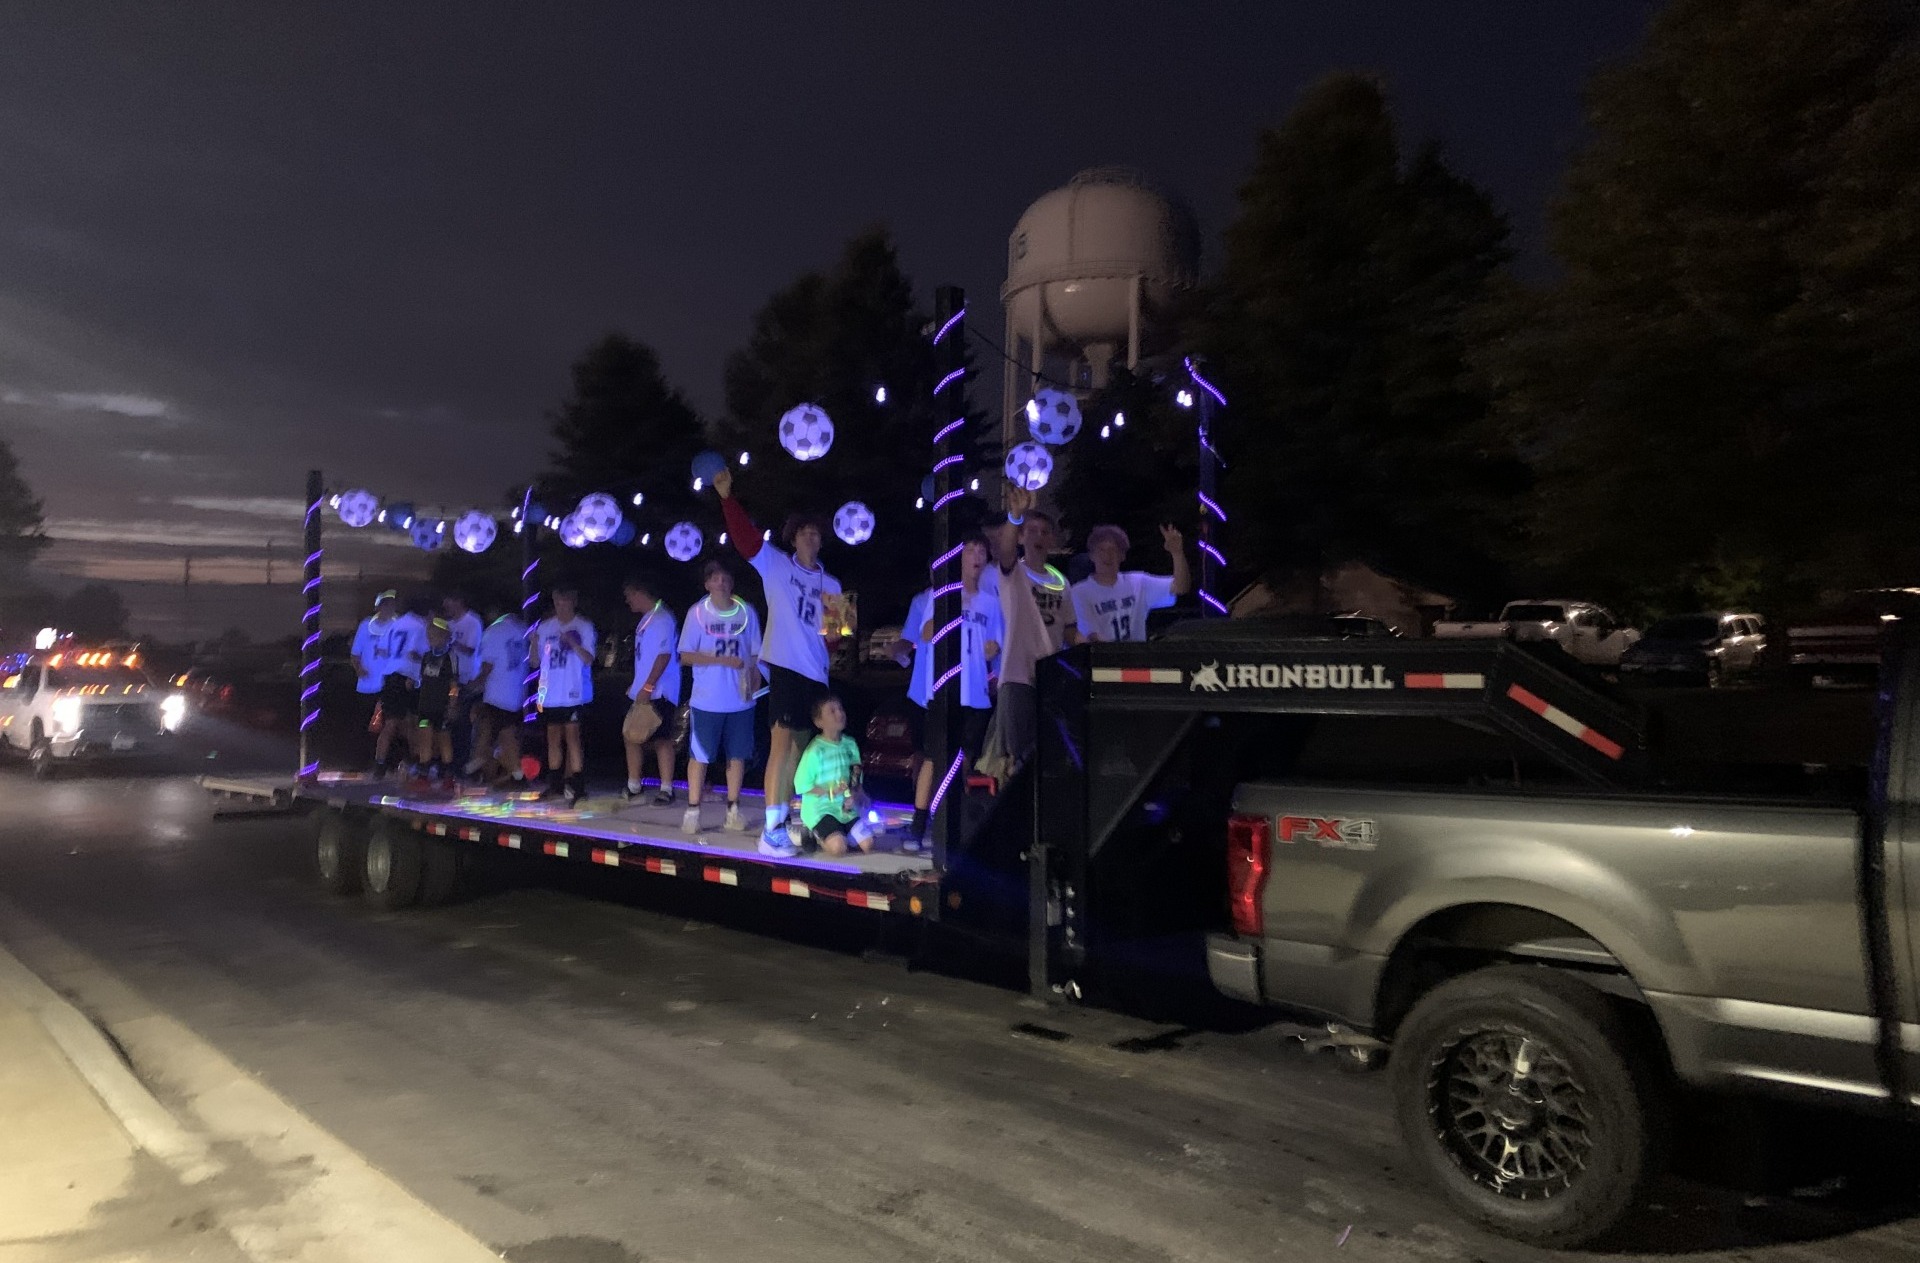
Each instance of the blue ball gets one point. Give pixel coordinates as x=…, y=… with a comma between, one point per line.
x=926, y=489
x=536, y=512
x=625, y=534
x=706, y=465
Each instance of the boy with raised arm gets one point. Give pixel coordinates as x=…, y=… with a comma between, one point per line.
x=1112, y=604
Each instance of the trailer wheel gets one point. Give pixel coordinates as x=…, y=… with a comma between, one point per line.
x=339, y=854
x=439, y=871
x=1528, y=1099
x=393, y=868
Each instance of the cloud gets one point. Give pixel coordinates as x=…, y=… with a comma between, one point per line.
x=111, y=403
x=281, y=508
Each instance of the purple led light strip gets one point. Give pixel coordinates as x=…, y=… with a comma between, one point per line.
x=954, y=459
x=1204, y=384
x=959, y=757
x=1214, y=601
x=950, y=379
x=948, y=428
x=1210, y=551
x=947, y=328
x=946, y=557
x=1208, y=502
x=948, y=498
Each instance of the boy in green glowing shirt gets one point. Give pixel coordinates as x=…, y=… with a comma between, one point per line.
x=828, y=782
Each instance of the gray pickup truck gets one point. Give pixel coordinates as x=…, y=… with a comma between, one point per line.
x=1544, y=904
x=1540, y=968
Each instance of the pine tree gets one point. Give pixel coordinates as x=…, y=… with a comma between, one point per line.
x=21, y=520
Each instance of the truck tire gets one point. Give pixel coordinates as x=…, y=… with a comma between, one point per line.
x=1526, y=1096
x=339, y=854
x=439, y=871
x=394, y=866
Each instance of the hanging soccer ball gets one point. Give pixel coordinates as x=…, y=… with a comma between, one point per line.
x=1053, y=416
x=806, y=432
x=357, y=507
x=853, y=523
x=684, y=541
x=571, y=533
x=598, y=516
x=624, y=536
x=474, y=531
x=426, y=533
x=1029, y=466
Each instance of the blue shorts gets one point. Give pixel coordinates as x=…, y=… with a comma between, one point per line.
x=718, y=733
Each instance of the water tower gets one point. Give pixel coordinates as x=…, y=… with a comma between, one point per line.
x=1091, y=268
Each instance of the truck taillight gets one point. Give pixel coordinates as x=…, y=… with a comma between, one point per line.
x=1249, y=849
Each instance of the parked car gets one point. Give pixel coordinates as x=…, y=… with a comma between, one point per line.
x=1840, y=644
x=881, y=645
x=1586, y=631
x=1349, y=626
x=1710, y=648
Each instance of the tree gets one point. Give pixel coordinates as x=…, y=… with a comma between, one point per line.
x=1719, y=385
x=93, y=611
x=832, y=338
x=1338, y=326
x=624, y=430
x=21, y=522
x=1136, y=476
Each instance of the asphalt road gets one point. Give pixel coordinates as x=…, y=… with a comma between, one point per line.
x=588, y=1072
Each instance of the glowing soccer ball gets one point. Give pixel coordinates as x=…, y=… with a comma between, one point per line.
x=1053, y=416
x=598, y=516
x=426, y=533
x=1029, y=466
x=571, y=533
x=357, y=507
x=806, y=432
x=474, y=532
x=853, y=523
x=684, y=541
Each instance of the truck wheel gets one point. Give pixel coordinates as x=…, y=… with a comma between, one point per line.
x=1527, y=1098
x=393, y=867
x=340, y=854
x=439, y=871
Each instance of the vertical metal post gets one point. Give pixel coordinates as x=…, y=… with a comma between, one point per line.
x=1210, y=490
x=529, y=596
x=949, y=417
x=310, y=664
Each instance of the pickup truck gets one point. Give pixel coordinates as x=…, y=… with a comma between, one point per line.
x=68, y=706
x=1586, y=631
x=1541, y=968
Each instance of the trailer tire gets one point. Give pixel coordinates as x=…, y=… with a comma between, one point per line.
x=393, y=867
x=340, y=854
x=439, y=871
x=1528, y=1054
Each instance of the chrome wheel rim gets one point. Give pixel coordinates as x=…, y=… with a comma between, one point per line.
x=1511, y=1114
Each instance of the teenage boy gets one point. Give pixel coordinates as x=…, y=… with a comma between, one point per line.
x=916, y=653
x=436, y=706
x=799, y=591
x=564, y=643
x=464, y=627
x=1112, y=604
x=1033, y=601
x=981, y=630
x=656, y=688
x=502, y=690
x=721, y=642
x=386, y=650
x=828, y=782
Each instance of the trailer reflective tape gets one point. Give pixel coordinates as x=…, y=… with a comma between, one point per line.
x=556, y=849
x=610, y=858
x=469, y=835
x=798, y=889
x=510, y=840
x=1564, y=722
x=437, y=829
x=1444, y=680
x=666, y=868
x=1138, y=675
x=724, y=876
x=867, y=899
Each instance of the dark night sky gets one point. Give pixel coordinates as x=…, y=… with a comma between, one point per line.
x=239, y=239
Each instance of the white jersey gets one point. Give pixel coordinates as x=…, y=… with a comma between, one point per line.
x=980, y=622
x=653, y=637
x=729, y=633
x=1119, y=612
x=466, y=631
x=503, y=648
x=384, y=646
x=920, y=682
x=565, y=680
x=796, y=601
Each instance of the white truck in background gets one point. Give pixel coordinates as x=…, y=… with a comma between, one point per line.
x=1586, y=631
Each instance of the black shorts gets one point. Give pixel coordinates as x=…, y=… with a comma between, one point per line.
x=792, y=698
x=399, y=698
x=669, y=728
x=442, y=722
x=830, y=825
x=554, y=716
x=494, y=715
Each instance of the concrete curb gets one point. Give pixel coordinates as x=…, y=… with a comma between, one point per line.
x=290, y=1190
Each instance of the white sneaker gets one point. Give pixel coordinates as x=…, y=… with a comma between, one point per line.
x=736, y=822
x=774, y=842
x=690, y=821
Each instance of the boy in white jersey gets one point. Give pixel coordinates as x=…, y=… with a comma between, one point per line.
x=799, y=592
x=1033, y=601
x=501, y=687
x=464, y=626
x=386, y=656
x=721, y=642
x=563, y=644
x=1112, y=604
x=981, y=629
x=656, y=685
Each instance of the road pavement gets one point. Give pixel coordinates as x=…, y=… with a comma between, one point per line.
x=588, y=1068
